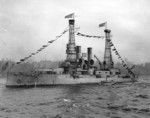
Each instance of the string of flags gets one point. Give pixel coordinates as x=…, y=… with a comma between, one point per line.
x=89, y=36
x=119, y=57
x=42, y=48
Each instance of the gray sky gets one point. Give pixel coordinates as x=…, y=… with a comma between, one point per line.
x=25, y=25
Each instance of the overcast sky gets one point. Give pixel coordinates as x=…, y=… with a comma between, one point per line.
x=26, y=25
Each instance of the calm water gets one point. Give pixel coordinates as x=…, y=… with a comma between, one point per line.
x=128, y=100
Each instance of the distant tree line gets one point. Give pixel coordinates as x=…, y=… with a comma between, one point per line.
x=139, y=69
x=5, y=65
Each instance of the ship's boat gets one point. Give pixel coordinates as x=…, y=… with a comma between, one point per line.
x=75, y=69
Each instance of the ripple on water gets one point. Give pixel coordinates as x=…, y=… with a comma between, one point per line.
x=129, y=100
x=142, y=96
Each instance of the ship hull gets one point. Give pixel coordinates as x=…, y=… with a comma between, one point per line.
x=20, y=80
x=54, y=80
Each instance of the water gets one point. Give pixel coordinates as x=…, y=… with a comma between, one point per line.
x=128, y=100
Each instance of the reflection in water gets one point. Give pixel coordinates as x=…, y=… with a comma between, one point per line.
x=120, y=100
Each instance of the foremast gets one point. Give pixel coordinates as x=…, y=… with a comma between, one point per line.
x=71, y=46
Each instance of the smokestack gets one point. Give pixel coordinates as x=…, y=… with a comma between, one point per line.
x=78, y=50
x=89, y=51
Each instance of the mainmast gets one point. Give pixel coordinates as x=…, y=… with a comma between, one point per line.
x=108, y=62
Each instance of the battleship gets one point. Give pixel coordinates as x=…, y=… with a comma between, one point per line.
x=75, y=69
